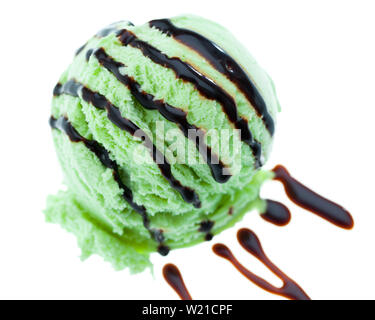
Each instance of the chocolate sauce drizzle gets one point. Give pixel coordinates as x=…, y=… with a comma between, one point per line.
x=112, y=28
x=276, y=213
x=80, y=49
x=175, y=115
x=222, y=62
x=311, y=201
x=205, y=86
x=103, y=33
x=173, y=276
x=163, y=250
x=88, y=54
x=65, y=126
x=99, y=101
x=206, y=227
x=250, y=242
x=106, y=31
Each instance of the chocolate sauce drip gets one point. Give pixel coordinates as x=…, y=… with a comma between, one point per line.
x=99, y=101
x=65, y=126
x=106, y=31
x=206, y=227
x=56, y=89
x=111, y=29
x=173, y=276
x=80, y=49
x=276, y=213
x=205, y=86
x=71, y=88
x=311, y=201
x=175, y=115
x=222, y=62
x=88, y=54
x=250, y=242
x=209, y=236
x=103, y=33
x=163, y=250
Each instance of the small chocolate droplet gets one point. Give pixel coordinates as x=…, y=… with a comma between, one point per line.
x=276, y=213
x=173, y=277
x=209, y=237
x=206, y=226
x=163, y=250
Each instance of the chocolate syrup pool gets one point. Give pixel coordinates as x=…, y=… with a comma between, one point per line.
x=278, y=214
x=250, y=242
x=311, y=201
x=173, y=276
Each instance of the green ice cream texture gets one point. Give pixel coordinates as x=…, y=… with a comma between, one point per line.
x=93, y=207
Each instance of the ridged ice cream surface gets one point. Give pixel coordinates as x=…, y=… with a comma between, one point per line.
x=123, y=119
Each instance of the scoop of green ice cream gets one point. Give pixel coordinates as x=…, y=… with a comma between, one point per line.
x=161, y=130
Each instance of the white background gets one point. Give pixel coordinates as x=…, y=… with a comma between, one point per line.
x=321, y=56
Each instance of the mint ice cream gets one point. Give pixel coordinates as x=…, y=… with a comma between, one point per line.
x=123, y=117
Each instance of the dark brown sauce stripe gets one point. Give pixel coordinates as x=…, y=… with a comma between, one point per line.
x=250, y=242
x=205, y=86
x=112, y=29
x=222, y=62
x=73, y=87
x=167, y=111
x=88, y=54
x=173, y=276
x=65, y=126
x=311, y=201
x=103, y=33
x=80, y=49
x=106, y=31
x=276, y=213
